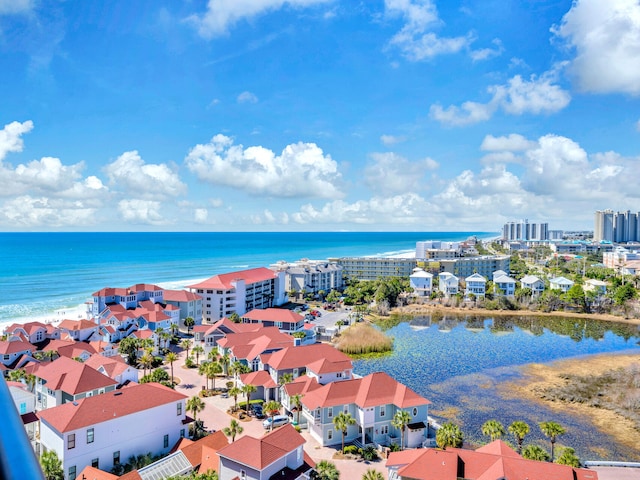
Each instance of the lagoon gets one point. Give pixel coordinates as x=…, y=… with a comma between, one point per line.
x=458, y=362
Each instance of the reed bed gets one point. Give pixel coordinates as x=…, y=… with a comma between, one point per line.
x=362, y=339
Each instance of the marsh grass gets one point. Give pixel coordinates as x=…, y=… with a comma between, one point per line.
x=362, y=339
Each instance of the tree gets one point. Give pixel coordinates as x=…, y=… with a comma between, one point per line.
x=189, y=322
x=342, y=422
x=552, y=430
x=197, y=351
x=51, y=466
x=225, y=361
x=212, y=370
x=186, y=345
x=493, y=429
x=234, y=392
x=285, y=378
x=449, y=435
x=146, y=361
x=195, y=405
x=519, y=430
x=235, y=318
x=129, y=347
x=372, y=474
x=232, y=430
x=248, y=389
x=272, y=408
x=326, y=470
x=568, y=457
x=534, y=452
x=575, y=295
x=296, y=401
x=171, y=357
x=400, y=421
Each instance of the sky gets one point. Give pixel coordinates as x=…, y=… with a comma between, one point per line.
x=317, y=115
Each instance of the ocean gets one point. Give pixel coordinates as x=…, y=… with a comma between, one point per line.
x=49, y=276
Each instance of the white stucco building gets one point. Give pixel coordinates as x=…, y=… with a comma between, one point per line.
x=421, y=282
x=310, y=276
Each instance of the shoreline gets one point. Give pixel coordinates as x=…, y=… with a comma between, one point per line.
x=538, y=378
x=430, y=308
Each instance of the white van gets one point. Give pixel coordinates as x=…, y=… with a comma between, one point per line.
x=278, y=421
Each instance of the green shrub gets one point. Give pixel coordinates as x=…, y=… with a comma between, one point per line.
x=394, y=447
x=369, y=453
x=189, y=363
x=351, y=449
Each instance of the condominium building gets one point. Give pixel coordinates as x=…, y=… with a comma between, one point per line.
x=310, y=276
x=618, y=227
x=372, y=268
x=240, y=292
x=484, y=265
x=436, y=250
x=523, y=230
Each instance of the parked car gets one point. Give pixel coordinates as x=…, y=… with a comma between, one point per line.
x=257, y=410
x=278, y=421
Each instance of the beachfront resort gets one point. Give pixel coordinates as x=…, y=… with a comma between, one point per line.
x=239, y=374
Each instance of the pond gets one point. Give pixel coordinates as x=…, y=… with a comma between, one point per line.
x=457, y=362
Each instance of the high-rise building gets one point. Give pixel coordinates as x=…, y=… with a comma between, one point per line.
x=618, y=227
x=523, y=231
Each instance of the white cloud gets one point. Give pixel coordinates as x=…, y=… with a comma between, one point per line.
x=11, y=137
x=301, y=170
x=390, y=173
x=415, y=40
x=201, y=215
x=223, y=14
x=391, y=139
x=606, y=38
x=138, y=211
x=28, y=212
x=487, y=53
x=10, y=7
x=512, y=142
x=144, y=180
x=247, y=97
x=537, y=95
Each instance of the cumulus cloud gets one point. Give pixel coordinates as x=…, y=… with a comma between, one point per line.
x=538, y=95
x=28, y=212
x=247, y=97
x=415, y=40
x=605, y=36
x=223, y=14
x=11, y=137
x=144, y=180
x=487, y=53
x=301, y=170
x=512, y=142
x=391, y=139
x=138, y=211
x=389, y=173
x=13, y=7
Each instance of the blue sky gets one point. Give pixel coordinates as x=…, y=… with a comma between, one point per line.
x=412, y=115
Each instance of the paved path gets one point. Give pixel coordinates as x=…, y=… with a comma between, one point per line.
x=215, y=418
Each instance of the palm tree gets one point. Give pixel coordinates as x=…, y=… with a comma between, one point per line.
x=285, y=378
x=186, y=345
x=171, y=357
x=449, y=435
x=232, y=430
x=213, y=369
x=568, y=457
x=238, y=368
x=535, y=452
x=400, y=421
x=248, y=389
x=234, y=392
x=195, y=405
x=519, y=429
x=296, y=401
x=493, y=429
x=326, y=470
x=552, y=430
x=372, y=474
x=225, y=361
x=342, y=422
x=146, y=361
x=189, y=322
x=174, y=329
x=51, y=466
x=197, y=350
x=272, y=408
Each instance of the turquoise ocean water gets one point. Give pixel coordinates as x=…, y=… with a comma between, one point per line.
x=45, y=274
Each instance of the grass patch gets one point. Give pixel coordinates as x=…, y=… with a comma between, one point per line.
x=362, y=339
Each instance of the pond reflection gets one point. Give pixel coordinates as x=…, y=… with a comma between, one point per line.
x=457, y=361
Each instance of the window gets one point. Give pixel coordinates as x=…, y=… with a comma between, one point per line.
x=330, y=412
x=384, y=430
x=166, y=441
x=95, y=463
x=72, y=472
x=415, y=411
x=90, y=435
x=179, y=408
x=23, y=408
x=339, y=375
x=383, y=411
x=182, y=433
x=243, y=475
x=116, y=458
x=71, y=441
x=329, y=434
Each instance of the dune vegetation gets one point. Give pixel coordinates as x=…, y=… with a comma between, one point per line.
x=362, y=339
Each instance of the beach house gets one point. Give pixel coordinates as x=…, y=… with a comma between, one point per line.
x=476, y=285
x=447, y=284
x=421, y=282
x=533, y=283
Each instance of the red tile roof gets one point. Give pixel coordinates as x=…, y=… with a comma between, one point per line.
x=29, y=327
x=145, y=287
x=319, y=357
x=273, y=315
x=261, y=378
x=373, y=390
x=260, y=453
x=7, y=348
x=203, y=452
x=105, y=407
x=180, y=296
x=112, y=366
x=77, y=325
x=225, y=281
x=72, y=377
x=91, y=473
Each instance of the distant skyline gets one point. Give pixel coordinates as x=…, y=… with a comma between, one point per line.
x=303, y=115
